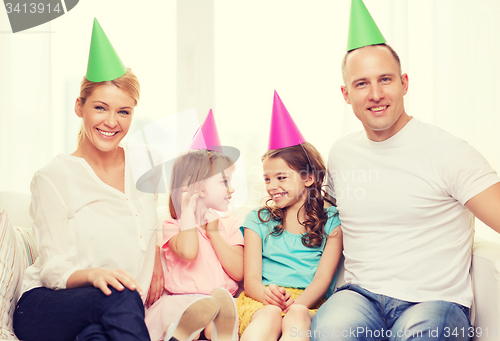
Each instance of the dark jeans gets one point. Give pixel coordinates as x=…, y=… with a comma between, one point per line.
x=80, y=314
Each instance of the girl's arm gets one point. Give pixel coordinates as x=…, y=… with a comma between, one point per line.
x=325, y=271
x=184, y=245
x=253, y=285
x=230, y=257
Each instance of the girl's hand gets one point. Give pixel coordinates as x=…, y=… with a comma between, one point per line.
x=212, y=220
x=288, y=302
x=274, y=295
x=117, y=278
x=188, y=199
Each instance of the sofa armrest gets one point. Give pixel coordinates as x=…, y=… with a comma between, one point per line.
x=485, y=315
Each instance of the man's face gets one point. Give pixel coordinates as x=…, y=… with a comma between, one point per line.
x=375, y=90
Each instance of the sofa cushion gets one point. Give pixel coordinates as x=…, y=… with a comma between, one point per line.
x=486, y=281
x=17, y=204
x=17, y=252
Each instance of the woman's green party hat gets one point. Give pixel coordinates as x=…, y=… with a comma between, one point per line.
x=104, y=63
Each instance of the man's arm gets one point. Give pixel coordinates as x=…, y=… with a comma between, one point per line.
x=486, y=206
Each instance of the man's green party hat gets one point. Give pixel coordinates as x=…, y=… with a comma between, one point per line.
x=362, y=28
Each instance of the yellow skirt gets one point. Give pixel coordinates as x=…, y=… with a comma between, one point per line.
x=248, y=306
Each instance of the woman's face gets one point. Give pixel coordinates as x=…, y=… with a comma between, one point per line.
x=107, y=115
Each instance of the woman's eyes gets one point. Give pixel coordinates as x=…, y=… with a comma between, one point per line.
x=121, y=112
x=281, y=178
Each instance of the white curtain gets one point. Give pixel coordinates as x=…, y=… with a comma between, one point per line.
x=449, y=48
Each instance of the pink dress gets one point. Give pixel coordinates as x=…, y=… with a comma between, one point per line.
x=186, y=281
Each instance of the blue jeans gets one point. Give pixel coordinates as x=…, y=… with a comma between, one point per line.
x=80, y=314
x=354, y=313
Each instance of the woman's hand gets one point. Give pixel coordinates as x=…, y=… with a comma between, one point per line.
x=274, y=295
x=156, y=287
x=117, y=278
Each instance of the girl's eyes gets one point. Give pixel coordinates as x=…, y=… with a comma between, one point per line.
x=98, y=107
x=281, y=178
x=124, y=112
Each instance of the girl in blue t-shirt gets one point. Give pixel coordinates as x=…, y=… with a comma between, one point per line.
x=292, y=248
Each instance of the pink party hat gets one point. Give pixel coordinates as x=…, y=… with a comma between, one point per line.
x=206, y=137
x=284, y=131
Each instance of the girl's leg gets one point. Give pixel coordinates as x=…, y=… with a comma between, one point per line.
x=44, y=314
x=296, y=323
x=264, y=325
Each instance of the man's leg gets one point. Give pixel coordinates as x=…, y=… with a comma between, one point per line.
x=348, y=315
x=433, y=320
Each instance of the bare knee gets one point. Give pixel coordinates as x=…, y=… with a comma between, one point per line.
x=269, y=312
x=298, y=312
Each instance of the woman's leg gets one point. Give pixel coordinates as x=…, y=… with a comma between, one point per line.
x=264, y=325
x=44, y=314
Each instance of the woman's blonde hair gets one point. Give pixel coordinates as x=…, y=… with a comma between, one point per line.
x=191, y=168
x=128, y=83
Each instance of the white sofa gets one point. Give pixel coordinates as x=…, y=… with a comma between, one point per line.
x=485, y=314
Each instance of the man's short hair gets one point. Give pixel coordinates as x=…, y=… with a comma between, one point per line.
x=394, y=54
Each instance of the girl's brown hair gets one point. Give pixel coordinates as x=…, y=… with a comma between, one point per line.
x=305, y=160
x=128, y=83
x=191, y=168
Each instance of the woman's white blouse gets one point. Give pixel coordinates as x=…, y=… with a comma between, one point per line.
x=80, y=223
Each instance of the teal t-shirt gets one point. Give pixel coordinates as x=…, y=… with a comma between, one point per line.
x=285, y=260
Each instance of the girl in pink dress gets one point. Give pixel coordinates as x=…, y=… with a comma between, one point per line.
x=202, y=250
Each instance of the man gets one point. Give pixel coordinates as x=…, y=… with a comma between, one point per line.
x=405, y=191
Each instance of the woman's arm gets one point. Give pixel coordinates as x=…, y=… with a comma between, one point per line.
x=55, y=240
x=156, y=287
x=324, y=273
x=101, y=278
x=230, y=257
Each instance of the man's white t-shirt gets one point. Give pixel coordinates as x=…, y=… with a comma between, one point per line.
x=406, y=232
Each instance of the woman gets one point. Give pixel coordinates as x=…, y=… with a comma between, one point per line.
x=95, y=230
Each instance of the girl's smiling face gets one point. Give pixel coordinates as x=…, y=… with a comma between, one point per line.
x=284, y=185
x=107, y=115
x=216, y=191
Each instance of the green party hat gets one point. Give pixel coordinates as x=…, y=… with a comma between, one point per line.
x=104, y=63
x=362, y=28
